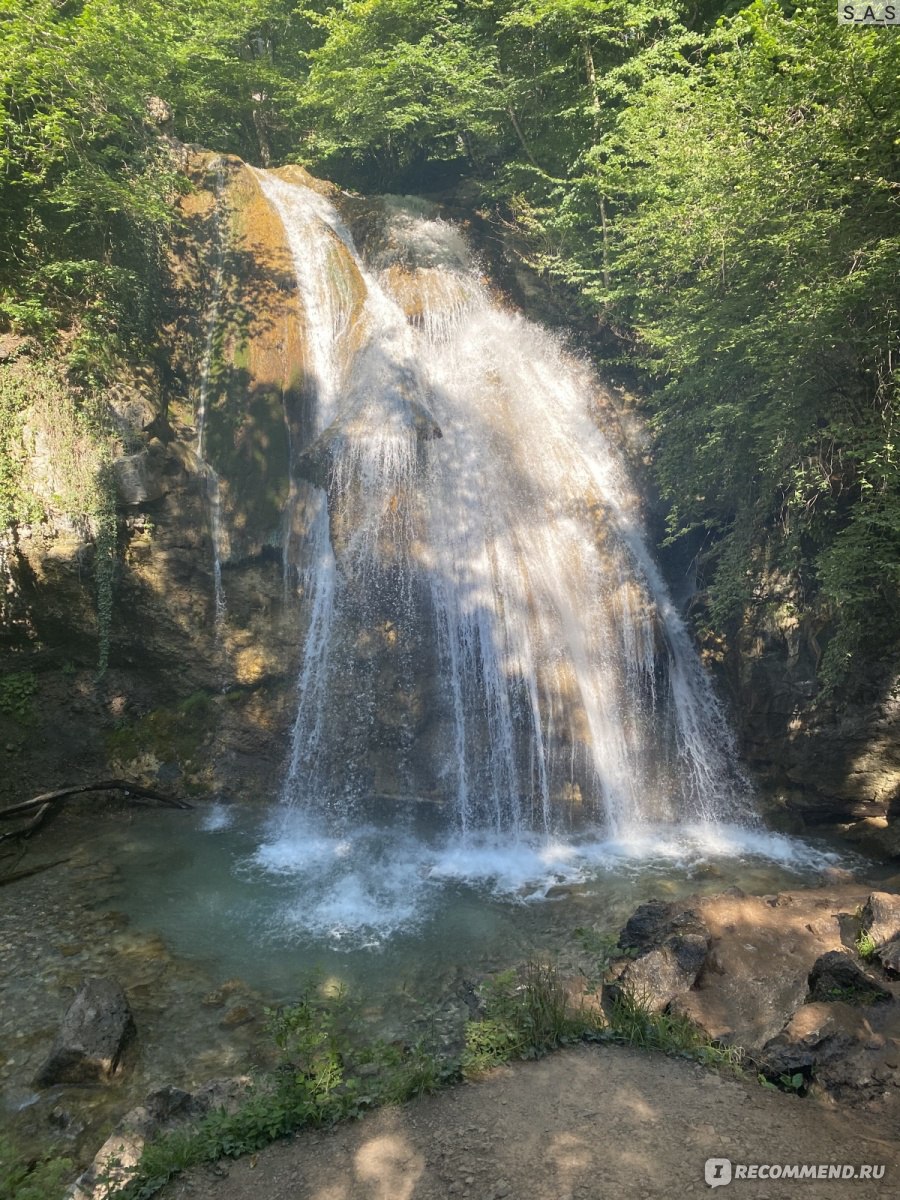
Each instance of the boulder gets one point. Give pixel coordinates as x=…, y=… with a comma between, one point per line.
x=889, y=956
x=817, y=1035
x=658, y=922
x=838, y=1047
x=763, y=950
x=162, y=1111
x=671, y=945
x=880, y=917
x=137, y=479
x=96, y=1029
x=835, y=976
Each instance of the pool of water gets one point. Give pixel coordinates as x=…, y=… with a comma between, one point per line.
x=208, y=916
x=396, y=900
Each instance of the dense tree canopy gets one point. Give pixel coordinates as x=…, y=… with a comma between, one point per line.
x=716, y=183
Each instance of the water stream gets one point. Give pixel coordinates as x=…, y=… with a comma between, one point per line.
x=484, y=625
x=503, y=731
x=213, y=495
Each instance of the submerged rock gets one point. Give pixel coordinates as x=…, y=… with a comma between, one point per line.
x=95, y=1031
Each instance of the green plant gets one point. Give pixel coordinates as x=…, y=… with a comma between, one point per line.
x=851, y=995
x=792, y=1083
x=786, y=1082
x=865, y=944
x=17, y=691
x=634, y=1023
x=525, y=1016
x=26, y=1178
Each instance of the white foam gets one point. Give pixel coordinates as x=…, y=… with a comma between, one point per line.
x=364, y=886
x=217, y=816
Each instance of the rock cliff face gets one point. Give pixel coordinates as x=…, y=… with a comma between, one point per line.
x=822, y=761
x=204, y=701
x=194, y=703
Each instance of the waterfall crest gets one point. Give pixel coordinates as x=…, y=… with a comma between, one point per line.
x=484, y=623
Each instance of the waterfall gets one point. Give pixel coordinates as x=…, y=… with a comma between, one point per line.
x=485, y=626
x=213, y=494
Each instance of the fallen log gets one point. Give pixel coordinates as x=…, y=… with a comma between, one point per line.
x=106, y=785
x=17, y=875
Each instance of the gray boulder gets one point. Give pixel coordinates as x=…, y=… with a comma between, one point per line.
x=96, y=1029
x=137, y=479
x=835, y=976
x=889, y=956
x=670, y=944
x=880, y=917
x=839, y=1047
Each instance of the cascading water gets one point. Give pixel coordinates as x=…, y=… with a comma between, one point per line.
x=213, y=495
x=485, y=626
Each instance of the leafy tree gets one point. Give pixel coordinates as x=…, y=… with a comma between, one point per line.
x=757, y=256
x=397, y=82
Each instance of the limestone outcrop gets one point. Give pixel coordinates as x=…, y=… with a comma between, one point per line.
x=780, y=976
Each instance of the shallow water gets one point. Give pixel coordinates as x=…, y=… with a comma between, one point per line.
x=397, y=900
x=209, y=913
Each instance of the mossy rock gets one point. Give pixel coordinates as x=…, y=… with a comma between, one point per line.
x=164, y=736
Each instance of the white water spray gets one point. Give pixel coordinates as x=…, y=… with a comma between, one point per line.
x=470, y=486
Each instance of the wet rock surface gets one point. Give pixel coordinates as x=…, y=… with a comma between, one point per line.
x=831, y=761
x=96, y=1029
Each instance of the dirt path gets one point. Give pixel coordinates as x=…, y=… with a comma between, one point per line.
x=585, y=1124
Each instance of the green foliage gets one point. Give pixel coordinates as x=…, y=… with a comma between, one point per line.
x=396, y=82
x=18, y=505
x=524, y=1017
x=24, y=1178
x=64, y=469
x=166, y=733
x=17, y=690
x=756, y=253
x=795, y=1083
x=632, y=1022
x=865, y=945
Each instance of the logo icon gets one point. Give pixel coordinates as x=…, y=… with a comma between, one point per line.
x=717, y=1171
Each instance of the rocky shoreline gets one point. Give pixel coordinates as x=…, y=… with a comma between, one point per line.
x=805, y=982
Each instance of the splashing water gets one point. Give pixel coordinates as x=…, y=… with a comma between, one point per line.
x=486, y=628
